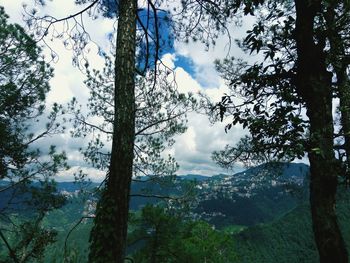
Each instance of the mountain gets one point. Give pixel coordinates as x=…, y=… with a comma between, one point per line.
x=17, y=198
x=194, y=177
x=252, y=204
x=254, y=196
x=288, y=238
x=257, y=195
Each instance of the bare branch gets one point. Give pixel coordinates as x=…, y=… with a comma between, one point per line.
x=71, y=230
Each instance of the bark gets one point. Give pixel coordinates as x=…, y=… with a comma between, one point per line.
x=108, y=236
x=314, y=86
x=344, y=101
x=340, y=64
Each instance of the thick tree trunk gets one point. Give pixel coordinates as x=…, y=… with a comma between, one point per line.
x=108, y=236
x=314, y=86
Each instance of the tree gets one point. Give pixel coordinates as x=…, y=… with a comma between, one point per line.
x=170, y=237
x=160, y=114
x=108, y=236
x=24, y=82
x=311, y=82
x=290, y=86
x=157, y=228
x=336, y=18
x=286, y=102
x=158, y=108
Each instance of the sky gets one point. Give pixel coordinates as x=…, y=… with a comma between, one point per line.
x=194, y=71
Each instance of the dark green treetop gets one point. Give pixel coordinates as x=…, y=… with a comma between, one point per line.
x=24, y=83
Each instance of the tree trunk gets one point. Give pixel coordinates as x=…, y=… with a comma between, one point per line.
x=108, y=236
x=314, y=86
x=340, y=65
x=344, y=105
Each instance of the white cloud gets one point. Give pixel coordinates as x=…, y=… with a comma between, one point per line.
x=203, y=60
x=185, y=82
x=168, y=60
x=14, y=9
x=193, y=149
x=61, y=93
x=93, y=174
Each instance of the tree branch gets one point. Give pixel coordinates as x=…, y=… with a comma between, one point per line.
x=12, y=253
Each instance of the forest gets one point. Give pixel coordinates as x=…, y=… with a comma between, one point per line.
x=175, y=131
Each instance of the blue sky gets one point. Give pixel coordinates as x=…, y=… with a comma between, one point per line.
x=194, y=70
x=186, y=63
x=166, y=38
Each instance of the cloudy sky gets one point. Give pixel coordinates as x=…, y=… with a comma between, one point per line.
x=192, y=149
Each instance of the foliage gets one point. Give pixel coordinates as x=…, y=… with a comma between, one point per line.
x=72, y=243
x=288, y=238
x=273, y=104
x=177, y=225
x=167, y=237
x=160, y=114
x=285, y=101
x=264, y=98
x=24, y=82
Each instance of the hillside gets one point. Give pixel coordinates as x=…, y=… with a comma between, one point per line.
x=264, y=209
x=257, y=195
x=288, y=238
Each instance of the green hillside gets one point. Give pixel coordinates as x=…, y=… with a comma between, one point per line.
x=257, y=195
x=288, y=239
x=266, y=217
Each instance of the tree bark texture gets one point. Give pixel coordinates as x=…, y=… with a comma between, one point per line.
x=314, y=86
x=108, y=236
x=340, y=65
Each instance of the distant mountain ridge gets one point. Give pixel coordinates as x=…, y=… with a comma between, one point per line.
x=239, y=191
x=256, y=205
x=254, y=196
x=197, y=177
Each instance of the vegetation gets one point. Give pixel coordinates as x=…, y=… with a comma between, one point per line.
x=163, y=232
x=24, y=82
x=289, y=237
x=169, y=238
x=285, y=99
